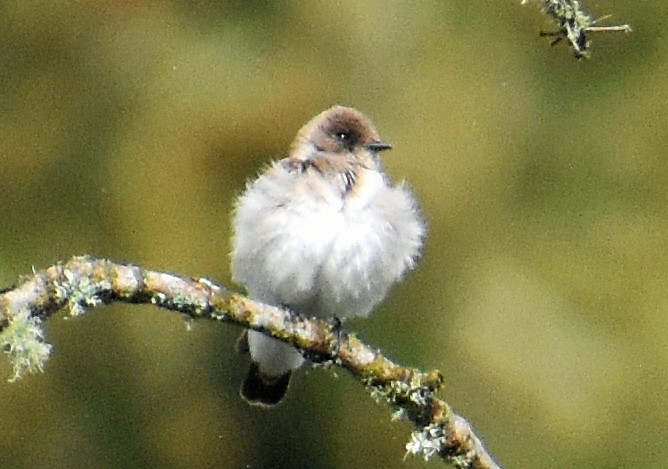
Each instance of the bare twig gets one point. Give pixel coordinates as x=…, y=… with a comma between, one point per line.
x=84, y=282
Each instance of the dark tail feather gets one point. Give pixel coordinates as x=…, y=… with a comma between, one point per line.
x=259, y=389
x=242, y=343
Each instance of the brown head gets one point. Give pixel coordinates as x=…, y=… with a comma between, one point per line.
x=338, y=130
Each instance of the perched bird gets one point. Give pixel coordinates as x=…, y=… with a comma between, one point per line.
x=323, y=232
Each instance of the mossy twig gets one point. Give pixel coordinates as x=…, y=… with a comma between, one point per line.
x=574, y=23
x=83, y=283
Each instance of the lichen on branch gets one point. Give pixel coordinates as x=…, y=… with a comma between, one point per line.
x=574, y=23
x=83, y=283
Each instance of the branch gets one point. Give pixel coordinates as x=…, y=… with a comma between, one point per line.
x=84, y=282
x=574, y=23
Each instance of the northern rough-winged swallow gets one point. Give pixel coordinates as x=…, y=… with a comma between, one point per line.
x=323, y=232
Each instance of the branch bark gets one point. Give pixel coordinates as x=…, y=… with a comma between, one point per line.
x=85, y=282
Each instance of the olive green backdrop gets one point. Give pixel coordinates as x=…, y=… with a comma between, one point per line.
x=127, y=129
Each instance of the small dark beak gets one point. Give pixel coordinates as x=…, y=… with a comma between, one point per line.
x=378, y=146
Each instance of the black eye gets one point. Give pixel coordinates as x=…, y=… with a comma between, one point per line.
x=343, y=136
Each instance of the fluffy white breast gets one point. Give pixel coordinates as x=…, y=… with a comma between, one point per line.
x=301, y=243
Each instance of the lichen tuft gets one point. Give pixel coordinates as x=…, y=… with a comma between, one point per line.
x=23, y=342
x=427, y=442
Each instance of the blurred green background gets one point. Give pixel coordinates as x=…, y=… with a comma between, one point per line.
x=127, y=129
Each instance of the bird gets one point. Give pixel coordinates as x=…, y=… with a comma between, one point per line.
x=323, y=232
